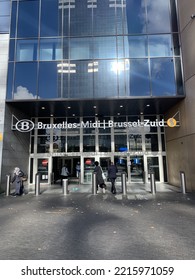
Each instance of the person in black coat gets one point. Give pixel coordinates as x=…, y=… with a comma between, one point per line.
x=99, y=177
x=112, y=170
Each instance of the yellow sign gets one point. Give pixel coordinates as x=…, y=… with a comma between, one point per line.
x=1, y=136
x=171, y=122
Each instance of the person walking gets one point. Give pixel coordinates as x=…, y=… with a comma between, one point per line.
x=64, y=173
x=112, y=171
x=17, y=178
x=99, y=177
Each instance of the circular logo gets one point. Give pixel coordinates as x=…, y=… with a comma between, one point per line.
x=25, y=125
x=171, y=122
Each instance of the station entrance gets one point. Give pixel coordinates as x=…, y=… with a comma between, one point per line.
x=136, y=150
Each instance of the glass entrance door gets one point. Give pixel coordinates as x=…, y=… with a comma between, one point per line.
x=137, y=169
x=153, y=166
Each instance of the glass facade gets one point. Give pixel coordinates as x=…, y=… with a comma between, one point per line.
x=93, y=49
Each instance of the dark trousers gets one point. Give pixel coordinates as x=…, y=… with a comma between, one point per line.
x=113, y=189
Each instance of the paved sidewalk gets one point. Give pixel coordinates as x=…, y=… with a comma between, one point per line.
x=85, y=226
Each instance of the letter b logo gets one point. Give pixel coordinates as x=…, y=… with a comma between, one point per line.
x=24, y=125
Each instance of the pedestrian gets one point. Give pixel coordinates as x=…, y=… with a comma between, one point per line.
x=99, y=177
x=64, y=173
x=17, y=178
x=78, y=169
x=112, y=171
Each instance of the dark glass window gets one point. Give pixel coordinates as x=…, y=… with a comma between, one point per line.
x=120, y=143
x=13, y=20
x=151, y=142
x=180, y=89
x=59, y=144
x=48, y=72
x=10, y=80
x=104, y=143
x=25, y=80
x=73, y=143
x=50, y=10
x=163, y=77
x=89, y=143
x=139, y=80
x=43, y=144
x=28, y=16
x=11, y=50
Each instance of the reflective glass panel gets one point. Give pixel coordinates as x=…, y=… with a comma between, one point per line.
x=80, y=18
x=50, y=10
x=25, y=80
x=158, y=16
x=135, y=142
x=160, y=45
x=163, y=77
x=135, y=17
x=104, y=22
x=81, y=79
x=105, y=78
x=28, y=17
x=48, y=72
x=26, y=50
x=13, y=20
x=136, y=46
x=104, y=47
x=50, y=49
x=139, y=80
x=10, y=80
x=81, y=48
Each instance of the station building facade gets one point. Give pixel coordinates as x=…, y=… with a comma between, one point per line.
x=93, y=81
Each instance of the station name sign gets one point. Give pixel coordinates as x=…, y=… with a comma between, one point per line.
x=26, y=125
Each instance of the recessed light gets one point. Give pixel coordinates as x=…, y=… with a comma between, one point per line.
x=118, y=114
x=43, y=108
x=141, y=113
x=148, y=105
x=94, y=107
x=121, y=106
x=69, y=107
x=73, y=115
